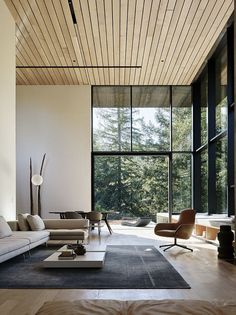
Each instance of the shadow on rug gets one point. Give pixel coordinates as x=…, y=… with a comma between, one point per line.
x=126, y=267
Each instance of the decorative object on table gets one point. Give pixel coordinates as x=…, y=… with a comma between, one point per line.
x=36, y=180
x=225, y=237
x=67, y=255
x=80, y=249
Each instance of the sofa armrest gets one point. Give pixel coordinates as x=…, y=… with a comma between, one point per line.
x=66, y=224
x=14, y=225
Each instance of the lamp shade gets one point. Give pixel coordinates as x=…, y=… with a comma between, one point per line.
x=37, y=180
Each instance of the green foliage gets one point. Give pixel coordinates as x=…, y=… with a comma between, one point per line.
x=138, y=185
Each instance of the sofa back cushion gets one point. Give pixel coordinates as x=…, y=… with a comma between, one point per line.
x=23, y=222
x=4, y=228
x=35, y=223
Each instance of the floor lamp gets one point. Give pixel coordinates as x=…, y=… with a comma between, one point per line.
x=36, y=180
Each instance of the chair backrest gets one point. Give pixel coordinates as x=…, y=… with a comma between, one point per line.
x=72, y=215
x=187, y=216
x=94, y=216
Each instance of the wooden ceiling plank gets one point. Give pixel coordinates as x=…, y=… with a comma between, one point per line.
x=49, y=16
x=194, y=38
x=90, y=38
x=189, y=10
x=60, y=27
x=123, y=38
x=21, y=76
x=37, y=35
x=80, y=29
x=109, y=34
x=178, y=19
x=103, y=38
x=24, y=59
x=23, y=33
x=20, y=80
x=116, y=38
x=155, y=40
x=209, y=41
x=142, y=39
x=192, y=20
x=95, y=31
x=27, y=48
x=65, y=39
x=166, y=39
x=130, y=34
x=202, y=30
x=39, y=22
x=151, y=36
x=80, y=74
x=140, y=4
x=159, y=48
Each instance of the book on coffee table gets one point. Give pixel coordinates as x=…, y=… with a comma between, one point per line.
x=67, y=255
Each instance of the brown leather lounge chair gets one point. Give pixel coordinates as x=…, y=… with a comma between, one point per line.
x=181, y=229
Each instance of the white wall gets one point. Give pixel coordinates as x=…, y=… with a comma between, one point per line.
x=7, y=114
x=54, y=120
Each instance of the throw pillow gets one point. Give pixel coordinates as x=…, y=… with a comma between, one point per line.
x=22, y=221
x=35, y=222
x=5, y=229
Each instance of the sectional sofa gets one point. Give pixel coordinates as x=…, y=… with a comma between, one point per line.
x=17, y=239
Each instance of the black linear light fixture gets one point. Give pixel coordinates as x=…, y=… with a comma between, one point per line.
x=72, y=11
x=78, y=67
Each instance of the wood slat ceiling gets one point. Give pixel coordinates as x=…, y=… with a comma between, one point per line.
x=170, y=40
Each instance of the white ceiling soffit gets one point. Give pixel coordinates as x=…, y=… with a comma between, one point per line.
x=117, y=42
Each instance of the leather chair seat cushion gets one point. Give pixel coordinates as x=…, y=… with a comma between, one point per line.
x=167, y=233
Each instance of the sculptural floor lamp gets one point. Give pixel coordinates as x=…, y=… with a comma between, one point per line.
x=36, y=180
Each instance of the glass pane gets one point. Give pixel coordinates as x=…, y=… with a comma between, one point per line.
x=134, y=185
x=111, y=119
x=181, y=118
x=151, y=118
x=204, y=182
x=181, y=181
x=221, y=176
x=204, y=108
x=221, y=91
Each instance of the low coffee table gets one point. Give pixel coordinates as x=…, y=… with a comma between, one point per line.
x=92, y=259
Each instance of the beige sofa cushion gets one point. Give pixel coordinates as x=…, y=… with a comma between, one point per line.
x=35, y=223
x=11, y=244
x=31, y=236
x=51, y=224
x=23, y=222
x=4, y=228
x=64, y=234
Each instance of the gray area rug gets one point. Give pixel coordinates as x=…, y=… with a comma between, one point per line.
x=126, y=267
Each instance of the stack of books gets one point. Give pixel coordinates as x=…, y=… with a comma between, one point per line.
x=67, y=255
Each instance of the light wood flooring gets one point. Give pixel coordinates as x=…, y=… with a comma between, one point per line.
x=209, y=278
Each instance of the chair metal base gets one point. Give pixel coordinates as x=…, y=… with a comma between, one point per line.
x=168, y=246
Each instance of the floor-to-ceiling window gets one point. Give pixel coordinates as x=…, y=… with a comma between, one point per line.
x=142, y=149
x=213, y=132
